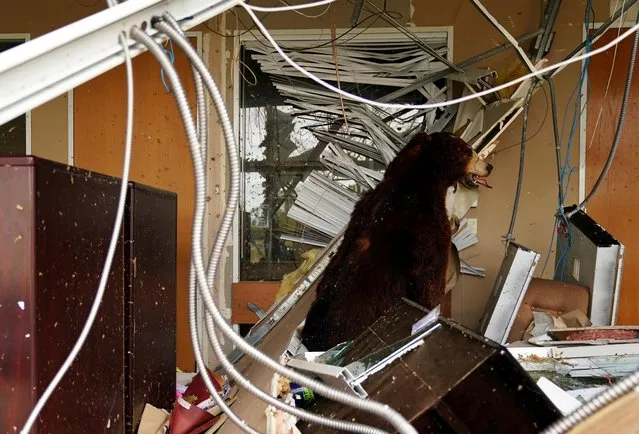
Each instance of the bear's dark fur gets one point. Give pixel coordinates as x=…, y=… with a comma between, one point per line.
x=396, y=243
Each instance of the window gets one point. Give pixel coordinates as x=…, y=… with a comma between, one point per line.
x=307, y=154
x=14, y=135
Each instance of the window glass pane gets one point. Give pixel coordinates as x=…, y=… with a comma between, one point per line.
x=277, y=156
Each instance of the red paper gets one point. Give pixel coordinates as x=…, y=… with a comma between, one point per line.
x=190, y=419
x=198, y=389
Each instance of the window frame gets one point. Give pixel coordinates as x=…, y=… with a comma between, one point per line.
x=312, y=36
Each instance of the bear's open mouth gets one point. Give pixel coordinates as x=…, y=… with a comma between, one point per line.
x=474, y=181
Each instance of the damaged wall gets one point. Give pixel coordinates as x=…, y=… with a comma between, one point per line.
x=473, y=34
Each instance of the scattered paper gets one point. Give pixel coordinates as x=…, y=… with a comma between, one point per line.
x=562, y=399
x=153, y=421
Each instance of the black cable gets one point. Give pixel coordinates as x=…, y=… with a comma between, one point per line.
x=555, y=127
x=252, y=30
x=522, y=155
x=324, y=44
x=536, y=133
x=620, y=123
x=86, y=5
x=248, y=30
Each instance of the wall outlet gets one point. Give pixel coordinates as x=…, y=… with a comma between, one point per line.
x=472, y=225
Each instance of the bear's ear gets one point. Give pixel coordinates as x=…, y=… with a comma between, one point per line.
x=417, y=143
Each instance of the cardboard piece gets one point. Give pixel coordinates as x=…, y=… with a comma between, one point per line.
x=153, y=420
x=545, y=321
x=544, y=295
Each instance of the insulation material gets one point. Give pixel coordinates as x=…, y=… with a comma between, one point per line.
x=355, y=141
x=362, y=139
x=358, y=60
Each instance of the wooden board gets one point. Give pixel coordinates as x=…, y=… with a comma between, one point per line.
x=161, y=156
x=620, y=417
x=247, y=407
x=261, y=294
x=614, y=206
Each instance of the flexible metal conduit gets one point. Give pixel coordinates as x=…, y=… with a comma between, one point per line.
x=370, y=406
x=173, y=33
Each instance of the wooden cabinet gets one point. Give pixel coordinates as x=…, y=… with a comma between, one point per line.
x=150, y=270
x=55, y=227
x=455, y=381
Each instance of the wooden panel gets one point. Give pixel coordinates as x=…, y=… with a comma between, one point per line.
x=620, y=417
x=57, y=223
x=17, y=218
x=150, y=273
x=614, y=206
x=74, y=221
x=160, y=152
x=261, y=294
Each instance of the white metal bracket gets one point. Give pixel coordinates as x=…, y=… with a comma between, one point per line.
x=50, y=65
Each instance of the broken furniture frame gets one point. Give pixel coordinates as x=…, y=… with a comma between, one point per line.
x=355, y=373
x=578, y=361
x=514, y=276
x=594, y=258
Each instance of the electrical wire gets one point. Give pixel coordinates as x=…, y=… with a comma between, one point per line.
x=522, y=156
x=539, y=73
x=86, y=329
x=171, y=55
x=237, y=19
x=179, y=95
x=629, y=383
x=328, y=6
x=620, y=124
x=213, y=311
x=288, y=7
x=206, y=281
x=560, y=198
x=213, y=315
x=86, y=5
x=172, y=32
x=382, y=410
x=522, y=55
x=533, y=135
x=375, y=15
x=566, y=171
